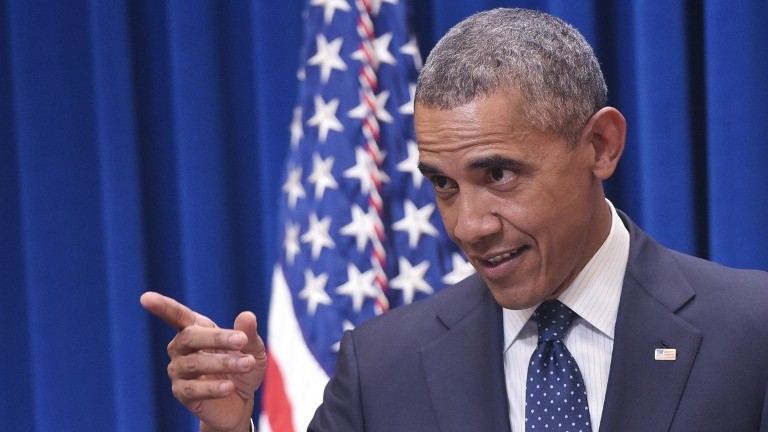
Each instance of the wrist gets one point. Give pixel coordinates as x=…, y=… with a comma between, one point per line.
x=244, y=426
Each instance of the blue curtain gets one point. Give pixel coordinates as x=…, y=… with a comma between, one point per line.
x=142, y=143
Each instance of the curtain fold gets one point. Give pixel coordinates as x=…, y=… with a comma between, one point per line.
x=142, y=145
x=736, y=64
x=663, y=124
x=117, y=150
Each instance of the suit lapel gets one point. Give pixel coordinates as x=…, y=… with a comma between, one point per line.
x=644, y=393
x=464, y=367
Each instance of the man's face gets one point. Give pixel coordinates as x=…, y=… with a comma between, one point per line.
x=525, y=208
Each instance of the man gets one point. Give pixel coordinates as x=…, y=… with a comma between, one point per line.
x=515, y=135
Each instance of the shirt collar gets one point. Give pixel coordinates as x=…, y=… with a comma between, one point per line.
x=595, y=292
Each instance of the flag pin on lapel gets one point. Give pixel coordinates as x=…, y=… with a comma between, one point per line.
x=665, y=354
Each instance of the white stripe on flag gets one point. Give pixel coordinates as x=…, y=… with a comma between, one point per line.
x=304, y=379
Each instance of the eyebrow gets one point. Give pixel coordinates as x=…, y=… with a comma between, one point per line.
x=427, y=169
x=496, y=161
x=489, y=162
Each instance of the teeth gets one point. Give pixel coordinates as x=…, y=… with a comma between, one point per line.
x=499, y=258
x=502, y=257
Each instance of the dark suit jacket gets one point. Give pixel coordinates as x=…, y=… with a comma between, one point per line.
x=437, y=365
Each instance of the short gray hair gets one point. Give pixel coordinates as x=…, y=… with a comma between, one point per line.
x=543, y=57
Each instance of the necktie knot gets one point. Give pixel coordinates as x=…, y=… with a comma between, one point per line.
x=553, y=319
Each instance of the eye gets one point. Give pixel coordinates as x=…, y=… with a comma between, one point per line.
x=442, y=183
x=499, y=175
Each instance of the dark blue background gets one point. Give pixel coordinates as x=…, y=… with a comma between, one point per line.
x=142, y=146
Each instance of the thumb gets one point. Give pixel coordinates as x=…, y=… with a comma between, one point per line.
x=246, y=323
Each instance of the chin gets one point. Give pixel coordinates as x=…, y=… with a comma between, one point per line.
x=507, y=298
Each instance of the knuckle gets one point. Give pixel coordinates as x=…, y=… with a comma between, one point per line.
x=228, y=363
x=193, y=365
x=185, y=337
x=220, y=339
x=186, y=391
x=190, y=366
x=178, y=391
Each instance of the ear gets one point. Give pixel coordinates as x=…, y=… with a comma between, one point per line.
x=606, y=132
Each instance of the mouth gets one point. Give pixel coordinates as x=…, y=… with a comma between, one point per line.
x=504, y=257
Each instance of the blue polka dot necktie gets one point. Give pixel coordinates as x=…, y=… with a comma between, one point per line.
x=556, y=399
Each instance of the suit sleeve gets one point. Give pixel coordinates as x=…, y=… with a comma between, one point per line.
x=341, y=409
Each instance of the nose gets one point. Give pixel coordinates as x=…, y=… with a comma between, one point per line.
x=475, y=220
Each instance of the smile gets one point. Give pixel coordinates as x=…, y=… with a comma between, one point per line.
x=506, y=256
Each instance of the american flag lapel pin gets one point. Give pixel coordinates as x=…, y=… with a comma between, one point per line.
x=664, y=353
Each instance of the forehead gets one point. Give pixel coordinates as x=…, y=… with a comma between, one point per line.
x=502, y=106
x=479, y=129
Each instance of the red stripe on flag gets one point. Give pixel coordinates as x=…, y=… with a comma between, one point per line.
x=275, y=402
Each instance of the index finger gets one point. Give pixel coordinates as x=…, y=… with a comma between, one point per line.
x=172, y=312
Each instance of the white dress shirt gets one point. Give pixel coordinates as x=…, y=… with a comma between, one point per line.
x=594, y=296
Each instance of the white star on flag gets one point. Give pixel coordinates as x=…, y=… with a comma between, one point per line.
x=416, y=222
x=322, y=176
x=293, y=187
x=359, y=286
x=411, y=279
x=330, y=6
x=291, y=241
x=297, y=129
x=376, y=5
x=462, y=269
x=362, y=227
x=327, y=57
x=411, y=164
x=380, y=51
x=317, y=235
x=380, y=110
x=365, y=170
x=412, y=49
x=407, y=108
x=325, y=118
x=314, y=290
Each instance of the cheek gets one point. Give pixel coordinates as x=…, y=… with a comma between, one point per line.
x=530, y=210
x=548, y=219
x=555, y=202
x=564, y=241
x=448, y=216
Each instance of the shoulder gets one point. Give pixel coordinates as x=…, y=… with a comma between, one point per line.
x=708, y=273
x=430, y=314
x=711, y=296
x=388, y=348
x=729, y=290
x=671, y=276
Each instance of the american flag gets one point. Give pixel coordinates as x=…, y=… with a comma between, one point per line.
x=361, y=233
x=665, y=354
